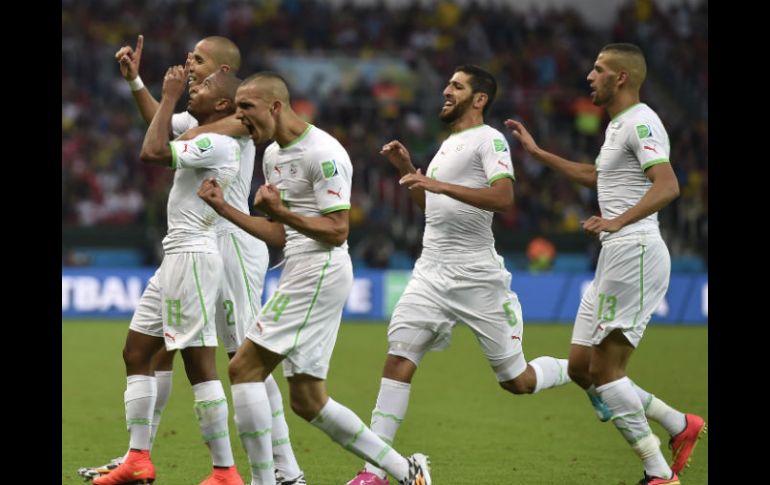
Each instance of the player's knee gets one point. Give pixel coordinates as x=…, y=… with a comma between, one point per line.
x=399, y=368
x=580, y=375
x=304, y=406
x=236, y=371
x=137, y=362
x=518, y=386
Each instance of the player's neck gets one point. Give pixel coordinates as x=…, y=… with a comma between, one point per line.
x=466, y=122
x=289, y=129
x=621, y=102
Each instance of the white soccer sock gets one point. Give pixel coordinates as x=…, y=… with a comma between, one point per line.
x=550, y=372
x=253, y=421
x=283, y=454
x=163, y=379
x=388, y=413
x=672, y=420
x=211, y=409
x=628, y=417
x=347, y=429
x=139, y=398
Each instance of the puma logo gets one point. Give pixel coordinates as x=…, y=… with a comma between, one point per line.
x=650, y=148
x=277, y=170
x=173, y=339
x=503, y=164
x=185, y=148
x=515, y=337
x=337, y=193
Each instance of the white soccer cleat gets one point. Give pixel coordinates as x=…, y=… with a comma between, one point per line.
x=89, y=473
x=419, y=470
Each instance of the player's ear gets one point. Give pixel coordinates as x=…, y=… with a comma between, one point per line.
x=223, y=104
x=224, y=68
x=622, y=78
x=480, y=99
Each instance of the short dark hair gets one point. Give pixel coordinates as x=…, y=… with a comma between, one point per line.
x=266, y=75
x=481, y=82
x=631, y=59
x=225, y=51
x=276, y=84
x=625, y=48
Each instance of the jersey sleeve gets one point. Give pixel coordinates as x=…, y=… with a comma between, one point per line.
x=496, y=158
x=207, y=150
x=331, y=174
x=181, y=122
x=649, y=142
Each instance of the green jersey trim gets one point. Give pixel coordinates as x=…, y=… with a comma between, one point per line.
x=336, y=208
x=501, y=176
x=654, y=162
x=298, y=139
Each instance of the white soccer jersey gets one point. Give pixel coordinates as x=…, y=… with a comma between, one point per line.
x=181, y=122
x=314, y=176
x=191, y=222
x=634, y=141
x=238, y=195
x=473, y=158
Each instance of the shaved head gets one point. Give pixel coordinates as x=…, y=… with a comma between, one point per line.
x=214, y=97
x=628, y=58
x=224, y=51
x=270, y=86
x=225, y=85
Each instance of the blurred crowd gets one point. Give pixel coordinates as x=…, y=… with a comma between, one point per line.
x=540, y=58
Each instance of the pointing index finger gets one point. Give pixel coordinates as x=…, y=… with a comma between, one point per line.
x=139, y=44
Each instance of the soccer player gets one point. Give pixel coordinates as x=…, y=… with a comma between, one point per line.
x=245, y=258
x=634, y=179
x=185, y=287
x=308, y=178
x=459, y=276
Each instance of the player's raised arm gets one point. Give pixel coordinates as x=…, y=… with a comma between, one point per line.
x=129, y=60
x=155, y=148
x=582, y=173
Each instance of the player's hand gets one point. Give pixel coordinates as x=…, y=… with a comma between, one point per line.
x=596, y=225
x=175, y=82
x=258, y=200
x=129, y=59
x=419, y=181
x=211, y=193
x=187, y=65
x=398, y=155
x=268, y=200
x=521, y=134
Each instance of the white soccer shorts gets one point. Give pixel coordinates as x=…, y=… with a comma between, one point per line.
x=444, y=291
x=189, y=285
x=245, y=260
x=631, y=280
x=302, y=317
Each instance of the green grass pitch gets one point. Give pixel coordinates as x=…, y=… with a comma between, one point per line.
x=473, y=431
